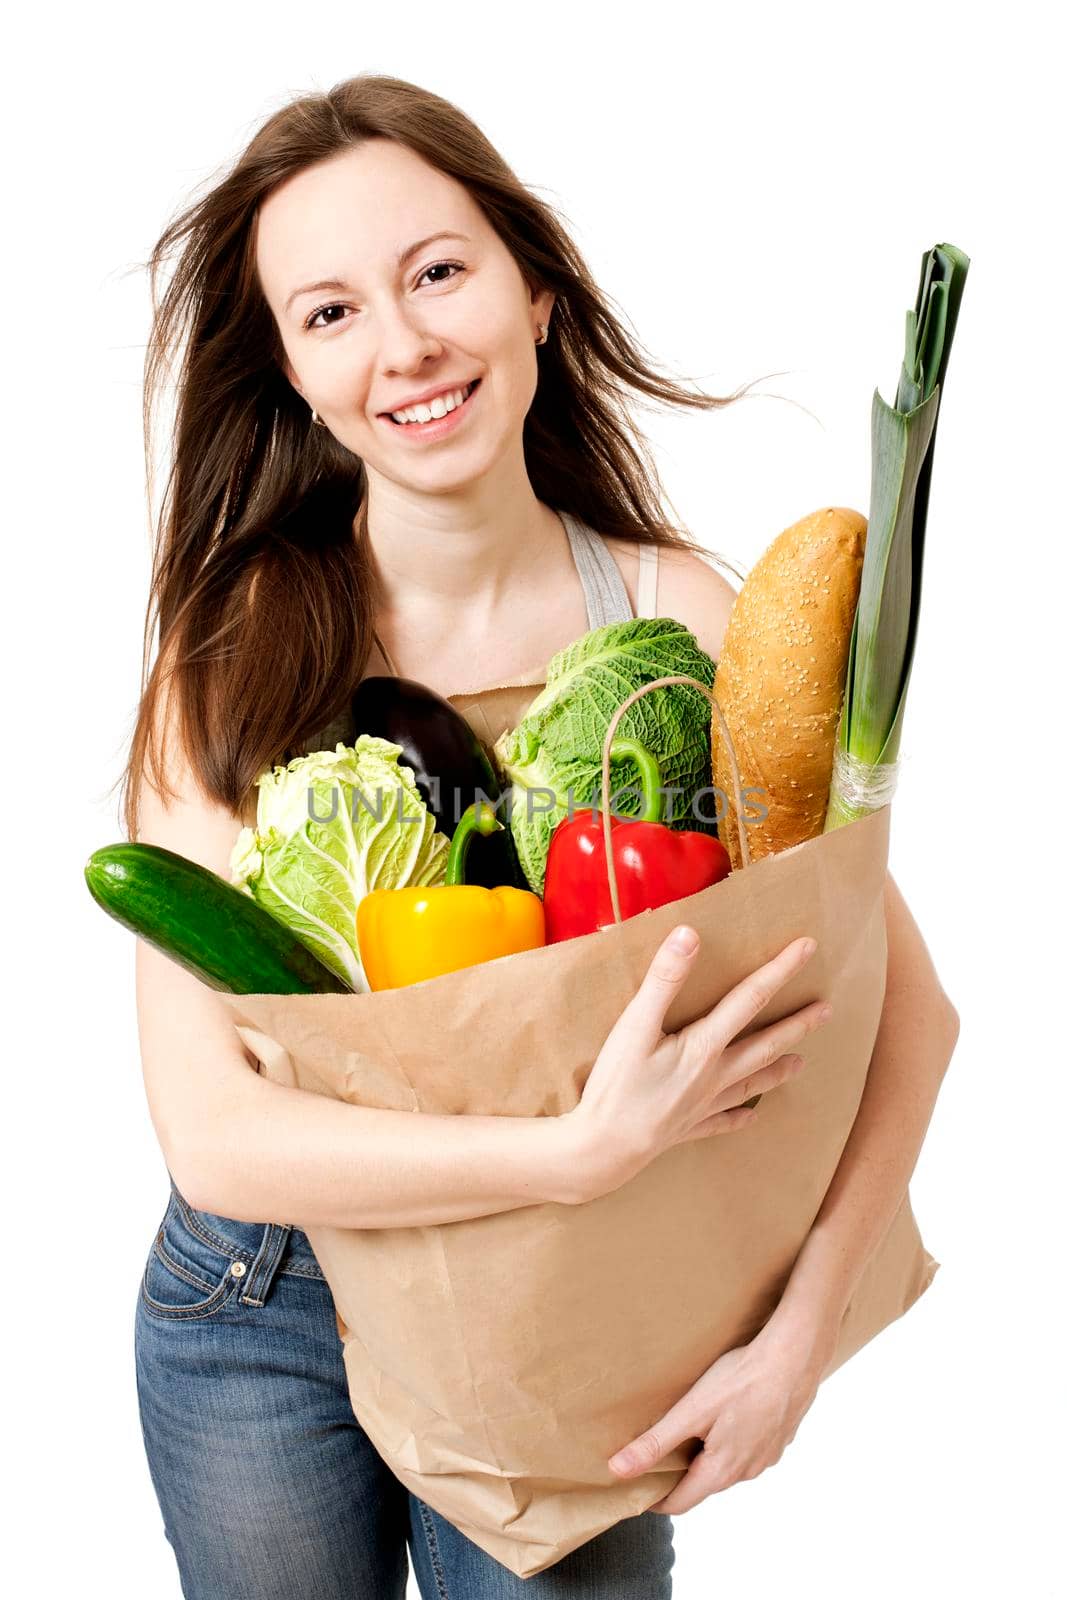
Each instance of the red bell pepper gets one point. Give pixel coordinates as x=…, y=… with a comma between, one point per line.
x=654, y=863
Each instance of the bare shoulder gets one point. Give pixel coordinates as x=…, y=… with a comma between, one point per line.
x=695, y=593
x=689, y=589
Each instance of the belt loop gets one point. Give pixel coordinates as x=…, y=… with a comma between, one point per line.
x=264, y=1267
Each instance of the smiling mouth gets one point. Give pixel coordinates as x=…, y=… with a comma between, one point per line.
x=420, y=415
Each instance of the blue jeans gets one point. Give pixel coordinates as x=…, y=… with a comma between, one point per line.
x=269, y=1488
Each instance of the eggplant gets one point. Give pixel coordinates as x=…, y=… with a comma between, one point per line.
x=450, y=764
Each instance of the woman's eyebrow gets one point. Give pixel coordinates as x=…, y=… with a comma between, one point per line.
x=402, y=259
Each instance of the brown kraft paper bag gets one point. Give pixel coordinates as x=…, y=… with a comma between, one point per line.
x=496, y=1363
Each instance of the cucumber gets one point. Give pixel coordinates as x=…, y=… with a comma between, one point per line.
x=204, y=923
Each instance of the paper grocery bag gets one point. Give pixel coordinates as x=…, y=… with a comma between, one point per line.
x=497, y=1363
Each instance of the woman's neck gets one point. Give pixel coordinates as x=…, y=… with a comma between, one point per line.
x=465, y=599
x=476, y=551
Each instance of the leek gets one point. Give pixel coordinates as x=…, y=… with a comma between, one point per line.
x=887, y=611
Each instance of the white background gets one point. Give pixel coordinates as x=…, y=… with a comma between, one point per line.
x=755, y=188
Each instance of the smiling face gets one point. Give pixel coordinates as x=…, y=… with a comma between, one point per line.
x=386, y=330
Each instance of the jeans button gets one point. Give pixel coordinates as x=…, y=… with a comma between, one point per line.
x=238, y=1269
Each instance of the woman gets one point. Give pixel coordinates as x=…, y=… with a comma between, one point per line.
x=369, y=252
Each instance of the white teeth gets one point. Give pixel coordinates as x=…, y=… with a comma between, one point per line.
x=439, y=407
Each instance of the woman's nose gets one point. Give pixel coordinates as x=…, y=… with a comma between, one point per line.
x=404, y=341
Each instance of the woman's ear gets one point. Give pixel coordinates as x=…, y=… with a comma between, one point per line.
x=541, y=304
x=291, y=376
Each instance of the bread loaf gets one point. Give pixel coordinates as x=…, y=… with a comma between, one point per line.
x=781, y=677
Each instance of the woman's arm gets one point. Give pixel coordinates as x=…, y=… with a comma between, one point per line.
x=241, y=1146
x=916, y=1037
x=749, y=1404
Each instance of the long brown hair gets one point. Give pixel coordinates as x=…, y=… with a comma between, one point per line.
x=261, y=586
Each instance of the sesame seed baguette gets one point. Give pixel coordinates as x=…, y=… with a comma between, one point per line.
x=780, y=678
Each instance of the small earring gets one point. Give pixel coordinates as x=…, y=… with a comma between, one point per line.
x=542, y=333
x=317, y=420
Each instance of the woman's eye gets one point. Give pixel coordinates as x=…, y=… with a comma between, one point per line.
x=449, y=267
x=310, y=323
x=441, y=266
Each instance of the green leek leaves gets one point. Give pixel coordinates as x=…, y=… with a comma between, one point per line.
x=887, y=613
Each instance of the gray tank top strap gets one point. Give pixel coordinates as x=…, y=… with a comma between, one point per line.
x=606, y=598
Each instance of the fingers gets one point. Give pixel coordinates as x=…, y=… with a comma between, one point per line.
x=739, y=1115
x=746, y=999
x=743, y=1062
x=671, y=965
x=722, y=1122
x=687, y=1419
x=769, y=1077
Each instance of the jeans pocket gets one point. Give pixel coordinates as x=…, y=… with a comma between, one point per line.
x=185, y=1277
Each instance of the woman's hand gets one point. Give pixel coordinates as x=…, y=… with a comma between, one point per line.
x=746, y=1408
x=649, y=1090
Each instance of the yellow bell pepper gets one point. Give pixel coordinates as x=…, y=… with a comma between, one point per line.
x=406, y=935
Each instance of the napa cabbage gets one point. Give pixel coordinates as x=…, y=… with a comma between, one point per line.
x=330, y=827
